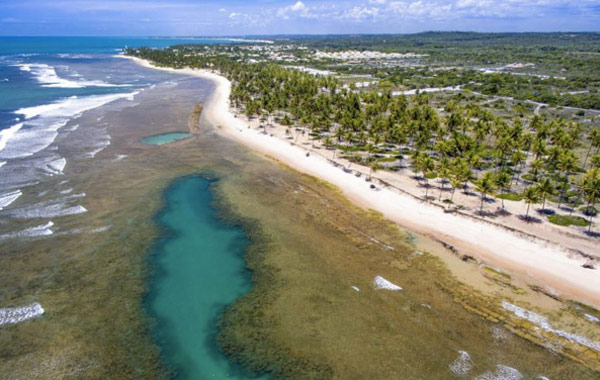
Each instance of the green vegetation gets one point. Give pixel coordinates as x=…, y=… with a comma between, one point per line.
x=567, y=220
x=511, y=197
x=501, y=133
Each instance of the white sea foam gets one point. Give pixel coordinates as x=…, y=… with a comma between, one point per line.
x=462, y=365
x=67, y=191
x=76, y=56
x=40, y=132
x=99, y=148
x=41, y=230
x=48, y=209
x=8, y=198
x=502, y=373
x=56, y=166
x=72, y=106
x=382, y=283
x=2, y=163
x=46, y=75
x=76, y=231
x=591, y=318
x=72, y=128
x=7, y=133
x=4, y=80
x=120, y=157
x=542, y=322
x=20, y=314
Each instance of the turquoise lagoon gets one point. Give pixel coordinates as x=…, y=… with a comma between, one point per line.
x=165, y=138
x=199, y=269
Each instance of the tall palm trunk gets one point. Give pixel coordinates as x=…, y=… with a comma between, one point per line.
x=591, y=217
x=587, y=155
x=481, y=206
x=544, y=203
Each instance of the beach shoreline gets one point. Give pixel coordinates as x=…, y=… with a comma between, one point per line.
x=545, y=263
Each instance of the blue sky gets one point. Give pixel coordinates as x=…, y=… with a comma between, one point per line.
x=260, y=17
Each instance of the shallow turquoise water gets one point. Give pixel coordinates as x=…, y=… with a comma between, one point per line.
x=199, y=269
x=165, y=138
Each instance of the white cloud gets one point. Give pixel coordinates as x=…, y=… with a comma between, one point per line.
x=298, y=6
x=298, y=9
x=332, y=15
x=360, y=13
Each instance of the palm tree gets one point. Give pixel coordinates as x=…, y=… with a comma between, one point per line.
x=455, y=183
x=461, y=171
x=370, y=150
x=596, y=161
x=536, y=166
x=517, y=159
x=502, y=181
x=567, y=162
x=476, y=162
x=374, y=167
x=444, y=173
x=425, y=164
x=563, y=187
x=594, y=137
x=591, y=189
x=545, y=188
x=485, y=185
x=531, y=196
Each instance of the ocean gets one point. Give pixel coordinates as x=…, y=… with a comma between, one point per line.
x=46, y=86
x=45, y=83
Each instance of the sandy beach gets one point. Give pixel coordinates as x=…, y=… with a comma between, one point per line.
x=555, y=266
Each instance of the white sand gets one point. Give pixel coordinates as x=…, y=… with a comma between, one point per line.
x=544, y=262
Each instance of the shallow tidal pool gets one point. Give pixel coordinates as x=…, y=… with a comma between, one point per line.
x=199, y=269
x=165, y=138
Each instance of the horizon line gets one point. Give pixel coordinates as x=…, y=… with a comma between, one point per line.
x=296, y=34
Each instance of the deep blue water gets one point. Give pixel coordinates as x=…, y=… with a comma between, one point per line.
x=88, y=45
x=46, y=84
x=62, y=67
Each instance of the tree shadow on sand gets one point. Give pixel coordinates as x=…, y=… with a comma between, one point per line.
x=487, y=214
x=530, y=219
x=545, y=211
x=502, y=212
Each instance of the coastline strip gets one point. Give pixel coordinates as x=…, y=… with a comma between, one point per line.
x=545, y=262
